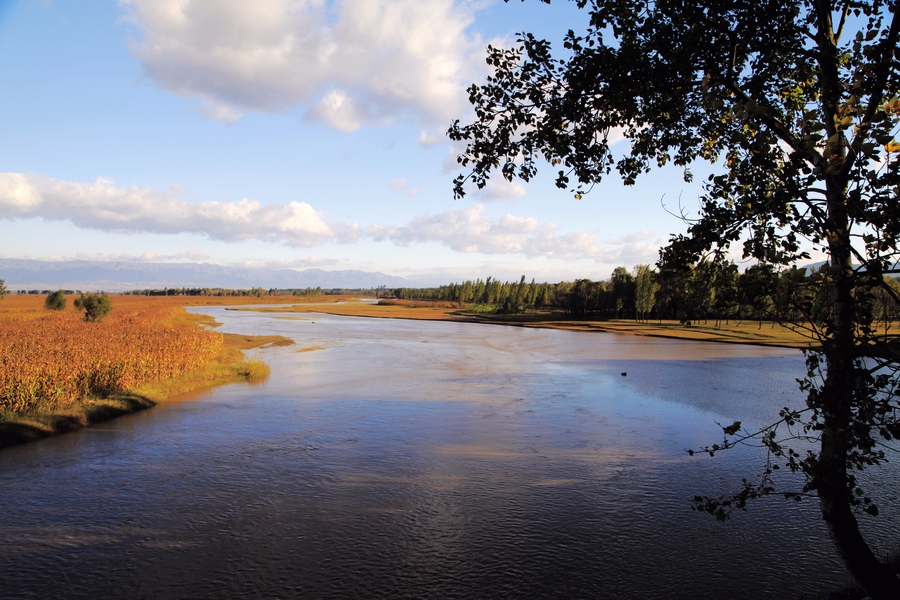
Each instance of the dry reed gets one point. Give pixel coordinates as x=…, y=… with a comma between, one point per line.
x=53, y=360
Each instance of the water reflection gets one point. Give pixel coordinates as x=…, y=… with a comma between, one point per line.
x=411, y=459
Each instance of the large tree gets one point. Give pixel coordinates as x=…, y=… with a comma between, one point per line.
x=794, y=104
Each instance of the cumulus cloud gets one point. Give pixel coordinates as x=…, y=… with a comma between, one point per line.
x=469, y=230
x=348, y=62
x=101, y=205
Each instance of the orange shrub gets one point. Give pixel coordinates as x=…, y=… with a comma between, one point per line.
x=51, y=360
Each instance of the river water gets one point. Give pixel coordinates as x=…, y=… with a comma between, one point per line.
x=409, y=459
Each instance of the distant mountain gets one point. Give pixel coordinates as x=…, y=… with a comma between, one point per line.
x=124, y=276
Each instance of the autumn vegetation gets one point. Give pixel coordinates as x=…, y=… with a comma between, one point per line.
x=57, y=367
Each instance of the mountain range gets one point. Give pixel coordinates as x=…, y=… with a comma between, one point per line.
x=124, y=276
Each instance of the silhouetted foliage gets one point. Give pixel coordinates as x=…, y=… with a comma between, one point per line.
x=797, y=102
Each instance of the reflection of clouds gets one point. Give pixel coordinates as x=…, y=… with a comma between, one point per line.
x=581, y=455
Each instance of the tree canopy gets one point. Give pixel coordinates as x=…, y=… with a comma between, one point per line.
x=55, y=300
x=794, y=105
x=95, y=306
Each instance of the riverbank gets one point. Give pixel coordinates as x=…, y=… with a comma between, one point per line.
x=174, y=353
x=231, y=367
x=745, y=332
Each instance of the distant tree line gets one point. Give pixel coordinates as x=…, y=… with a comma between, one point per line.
x=707, y=291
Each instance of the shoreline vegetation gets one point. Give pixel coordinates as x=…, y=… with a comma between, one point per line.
x=150, y=332
x=60, y=373
x=767, y=333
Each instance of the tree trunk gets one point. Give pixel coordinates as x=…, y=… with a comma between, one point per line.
x=834, y=491
x=832, y=483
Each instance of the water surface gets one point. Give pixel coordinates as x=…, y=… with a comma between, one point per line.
x=413, y=459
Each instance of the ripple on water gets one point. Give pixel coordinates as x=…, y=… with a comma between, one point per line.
x=489, y=463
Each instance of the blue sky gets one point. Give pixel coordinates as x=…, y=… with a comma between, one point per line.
x=286, y=133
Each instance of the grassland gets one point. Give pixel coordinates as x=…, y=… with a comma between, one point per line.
x=59, y=373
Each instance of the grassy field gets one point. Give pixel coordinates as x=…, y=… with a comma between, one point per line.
x=58, y=372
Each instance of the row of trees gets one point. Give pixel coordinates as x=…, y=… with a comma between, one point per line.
x=507, y=297
x=717, y=291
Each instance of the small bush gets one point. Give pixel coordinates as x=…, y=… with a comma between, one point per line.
x=55, y=301
x=95, y=307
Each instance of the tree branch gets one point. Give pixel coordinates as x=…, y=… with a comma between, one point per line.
x=876, y=97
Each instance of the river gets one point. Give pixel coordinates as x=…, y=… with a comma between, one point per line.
x=411, y=459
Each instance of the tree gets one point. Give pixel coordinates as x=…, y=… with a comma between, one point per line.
x=756, y=288
x=2, y=289
x=55, y=301
x=645, y=288
x=95, y=306
x=621, y=284
x=795, y=104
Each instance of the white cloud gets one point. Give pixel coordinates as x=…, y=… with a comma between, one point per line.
x=637, y=248
x=498, y=188
x=427, y=139
x=354, y=62
x=102, y=206
x=188, y=256
x=300, y=263
x=469, y=230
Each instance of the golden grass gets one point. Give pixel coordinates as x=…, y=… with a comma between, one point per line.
x=53, y=360
x=218, y=373
x=60, y=373
x=246, y=342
